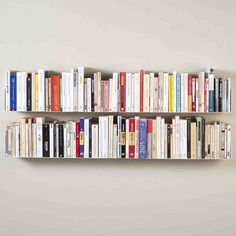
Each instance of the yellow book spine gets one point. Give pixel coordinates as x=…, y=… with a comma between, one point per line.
x=36, y=91
x=172, y=93
x=169, y=94
x=146, y=92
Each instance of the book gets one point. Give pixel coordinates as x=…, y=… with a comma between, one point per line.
x=55, y=93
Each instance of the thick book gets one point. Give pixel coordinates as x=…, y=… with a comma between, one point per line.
x=81, y=137
x=131, y=137
x=46, y=143
x=55, y=93
x=77, y=129
x=142, y=138
x=122, y=91
x=13, y=101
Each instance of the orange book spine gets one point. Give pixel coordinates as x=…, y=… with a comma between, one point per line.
x=190, y=93
x=55, y=93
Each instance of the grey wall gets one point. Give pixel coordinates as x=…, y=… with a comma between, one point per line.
x=105, y=197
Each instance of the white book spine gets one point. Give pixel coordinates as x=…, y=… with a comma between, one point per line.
x=34, y=138
x=41, y=90
x=18, y=91
x=127, y=138
x=207, y=95
x=39, y=133
x=115, y=93
x=158, y=153
x=64, y=90
x=181, y=144
x=165, y=92
x=100, y=123
x=86, y=138
x=137, y=92
x=26, y=140
x=94, y=141
x=151, y=89
x=7, y=90
x=197, y=98
x=185, y=92
x=111, y=135
x=23, y=101
x=177, y=129
x=105, y=137
x=51, y=143
x=163, y=140
x=118, y=137
x=74, y=74
x=229, y=96
x=89, y=89
x=99, y=101
x=128, y=91
x=81, y=89
x=17, y=147
x=69, y=92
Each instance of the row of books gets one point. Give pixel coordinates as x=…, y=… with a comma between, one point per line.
x=124, y=92
x=119, y=137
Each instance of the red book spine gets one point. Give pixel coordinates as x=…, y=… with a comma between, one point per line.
x=190, y=93
x=205, y=95
x=193, y=94
x=55, y=93
x=77, y=129
x=122, y=91
x=141, y=89
x=131, y=137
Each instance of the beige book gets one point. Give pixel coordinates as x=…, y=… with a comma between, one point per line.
x=193, y=140
x=155, y=94
x=22, y=137
x=33, y=91
x=136, y=137
x=160, y=92
x=50, y=95
x=182, y=92
x=165, y=141
x=114, y=151
x=212, y=141
x=110, y=94
x=222, y=141
x=146, y=89
x=154, y=139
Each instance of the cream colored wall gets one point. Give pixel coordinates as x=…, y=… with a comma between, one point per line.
x=69, y=197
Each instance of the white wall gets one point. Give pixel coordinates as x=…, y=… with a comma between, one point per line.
x=69, y=197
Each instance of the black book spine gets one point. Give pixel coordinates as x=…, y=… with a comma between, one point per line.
x=28, y=92
x=123, y=138
x=188, y=137
x=46, y=143
x=61, y=140
x=54, y=140
x=169, y=132
x=203, y=137
x=90, y=138
x=92, y=95
x=220, y=94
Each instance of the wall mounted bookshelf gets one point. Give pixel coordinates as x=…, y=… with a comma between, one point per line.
x=124, y=116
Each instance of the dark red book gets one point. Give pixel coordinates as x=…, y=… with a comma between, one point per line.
x=141, y=89
x=77, y=131
x=131, y=137
x=122, y=91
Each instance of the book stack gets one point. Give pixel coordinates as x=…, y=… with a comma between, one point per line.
x=122, y=92
x=119, y=137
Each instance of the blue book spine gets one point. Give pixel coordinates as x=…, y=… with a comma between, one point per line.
x=178, y=93
x=142, y=138
x=13, y=92
x=81, y=137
